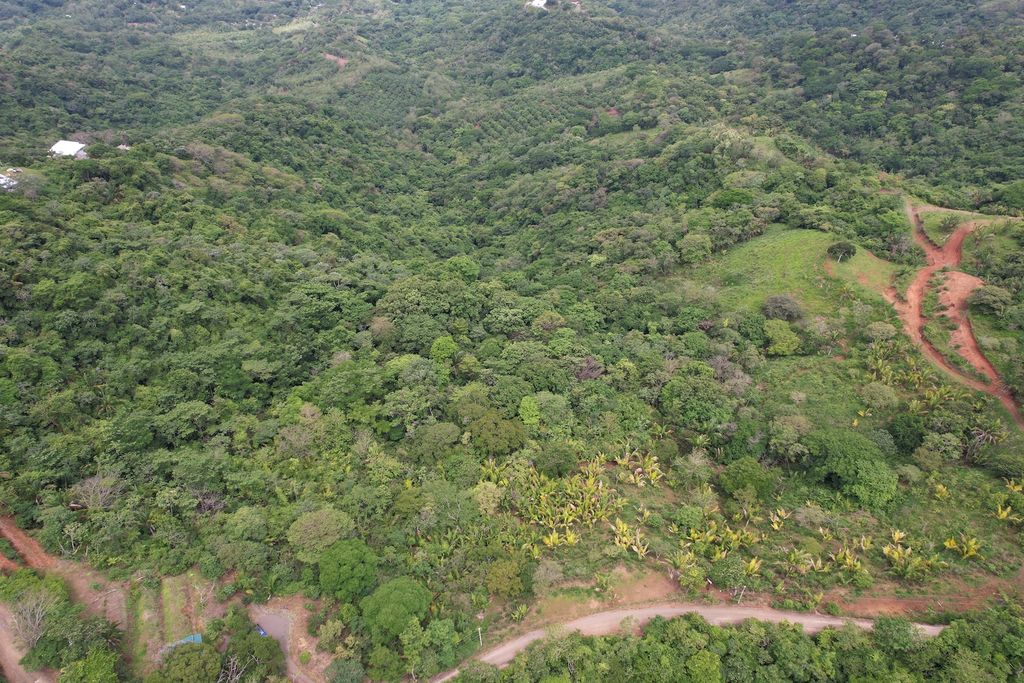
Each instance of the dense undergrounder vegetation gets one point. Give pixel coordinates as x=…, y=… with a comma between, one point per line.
x=436, y=314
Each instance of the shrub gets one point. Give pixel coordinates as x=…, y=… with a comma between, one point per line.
x=388, y=609
x=782, y=341
x=747, y=473
x=879, y=396
x=727, y=572
x=841, y=251
x=853, y=464
x=782, y=307
x=348, y=569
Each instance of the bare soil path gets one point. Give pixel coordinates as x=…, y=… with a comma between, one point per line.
x=604, y=623
x=95, y=592
x=958, y=287
x=284, y=620
x=10, y=656
x=7, y=565
x=342, y=62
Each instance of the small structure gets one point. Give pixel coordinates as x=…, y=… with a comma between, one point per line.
x=539, y=4
x=194, y=638
x=68, y=148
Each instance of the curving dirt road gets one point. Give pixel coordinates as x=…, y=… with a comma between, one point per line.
x=604, y=623
x=97, y=594
x=958, y=287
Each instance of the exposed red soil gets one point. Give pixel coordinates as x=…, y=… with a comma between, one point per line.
x=7, y=565
x=286, y=620
x=340, y=61
x=958, y=288
x=10, y=656
x=98, y=595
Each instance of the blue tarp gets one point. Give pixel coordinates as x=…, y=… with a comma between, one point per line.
x=196, y=638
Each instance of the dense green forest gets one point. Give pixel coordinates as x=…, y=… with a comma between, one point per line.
x=429, y=311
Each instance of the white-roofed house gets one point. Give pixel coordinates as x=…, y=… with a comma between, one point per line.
x=68, y=148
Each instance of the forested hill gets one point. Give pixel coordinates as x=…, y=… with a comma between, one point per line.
x=437, y=309
x=906, y=85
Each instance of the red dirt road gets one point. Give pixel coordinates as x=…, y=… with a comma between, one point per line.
x=958, y=287
x=8, y=565
x=98, y=595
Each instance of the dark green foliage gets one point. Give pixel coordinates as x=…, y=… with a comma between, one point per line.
x=841, y=251
x=188, y=663
x=319, y=315
x=348, y=569
x=694, y=400
x=388, y=609
x=983, y=647
x=853, y=464
x=262, y=655
x=747, y=473
x=782, y=307
x=63, y=637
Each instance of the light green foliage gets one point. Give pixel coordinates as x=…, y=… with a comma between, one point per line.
x=694, y=248
x=504, y=579
x=782, y=341
x=426, y=273
x=99, y=666
x=694, y=400
x=348, y=569
x=529, y=411
x=313, y=532
x=976, y=648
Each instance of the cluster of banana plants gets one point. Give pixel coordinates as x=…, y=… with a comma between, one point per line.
x=967, y=546
x=715, y=541
x=905, y=563
x=564, y=505
x=845, y=559
x=630, y=538
x=640, y=467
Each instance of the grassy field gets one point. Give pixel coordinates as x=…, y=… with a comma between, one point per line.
x=939, y=225
x=174, y=596
x=779, y=262
x=296, y=26
x=867, y=270
x=146, y=633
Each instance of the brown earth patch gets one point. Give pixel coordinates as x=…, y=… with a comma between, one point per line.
x=340, y=61
x=95, y=592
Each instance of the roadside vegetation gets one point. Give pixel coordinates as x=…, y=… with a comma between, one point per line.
x=491, y=304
